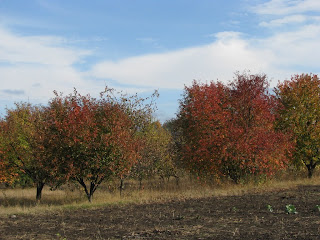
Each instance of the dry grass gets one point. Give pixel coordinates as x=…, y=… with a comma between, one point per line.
x=22, y=201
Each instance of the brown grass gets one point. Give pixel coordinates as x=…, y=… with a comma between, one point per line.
x=22, y=201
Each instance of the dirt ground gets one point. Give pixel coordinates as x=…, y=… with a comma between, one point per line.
x=232, y=217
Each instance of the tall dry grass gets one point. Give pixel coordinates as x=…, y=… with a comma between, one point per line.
x=22, y=201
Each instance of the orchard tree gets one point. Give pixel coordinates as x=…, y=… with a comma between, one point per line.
x=7, y=171
x=228, y=129
x=26, y=147
x=155, y=157
x=173, y=127
x=202, y=119
x=95, y=139
x=299, y=116
x=140, y=111
x=255, y=147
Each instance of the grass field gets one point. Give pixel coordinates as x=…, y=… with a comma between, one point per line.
x=22, y=201
x=190, y=211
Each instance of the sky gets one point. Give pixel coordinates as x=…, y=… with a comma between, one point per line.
x=142, y=45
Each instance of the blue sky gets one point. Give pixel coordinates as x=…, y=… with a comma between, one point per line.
x=142, y=45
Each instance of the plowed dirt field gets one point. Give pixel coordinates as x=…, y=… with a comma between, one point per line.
x=231, y=217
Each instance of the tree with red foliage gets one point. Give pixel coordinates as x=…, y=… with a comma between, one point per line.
x=299, y=116
x=7, y=172
x=228, y=129
x=95, y=139
x=256, y=146
x=202, y=118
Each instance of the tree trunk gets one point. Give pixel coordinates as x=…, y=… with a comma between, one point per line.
x=140, y=183
x=121, y=187
x=310, y=170
x=89, y=196
x=40, y=186
x=311, y=166
x=94, y=184
x=234, y=175
x=177, y=180
x=88, y=193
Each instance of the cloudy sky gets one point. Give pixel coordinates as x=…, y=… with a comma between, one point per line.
x=142, y=45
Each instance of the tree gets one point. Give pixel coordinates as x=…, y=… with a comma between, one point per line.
x=140, y=111
x=155, y=157
x=201, y=119
x=95, y=139
x=228, y=129
x=256, y=147
x=7, y=172
x=299, y=116
x=173, y=127
x=26, y=145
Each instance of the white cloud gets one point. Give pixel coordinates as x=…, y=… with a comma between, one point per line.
x=293, y=19
x=288, y=12
x=36, y=65
x=32, y=67
x=220, y=59
x=297, y=50
x=287, y=7
x=36, y=50
x=280, y=56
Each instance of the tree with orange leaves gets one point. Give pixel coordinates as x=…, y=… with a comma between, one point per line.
x=96, y=139
x=299, y=117
x=25, y=145
x=228, y=129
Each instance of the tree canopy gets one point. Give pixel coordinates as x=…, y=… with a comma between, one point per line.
x=299, y=117
x=228, y=129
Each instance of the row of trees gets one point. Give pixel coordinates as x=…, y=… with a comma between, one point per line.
x=82, y=139
x=221, y=130
x=241, y=128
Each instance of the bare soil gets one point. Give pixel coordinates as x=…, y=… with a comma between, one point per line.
x=231, y=217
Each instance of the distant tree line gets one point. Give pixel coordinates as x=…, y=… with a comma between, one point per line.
x=230, y=131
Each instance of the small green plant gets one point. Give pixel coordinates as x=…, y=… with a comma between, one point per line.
x=60, y=237
x=269, y=207
x=290, y=209
x=318, y=208
x=234, y=209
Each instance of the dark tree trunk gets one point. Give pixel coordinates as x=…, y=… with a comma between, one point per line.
x=234, y=174
x=83, y=184
x=310, y=171
x=177, y=180
x=93, y=187
x=89, y=196
x=121, y=187
x=40, y=186
x=311, y=166
x=140, y=183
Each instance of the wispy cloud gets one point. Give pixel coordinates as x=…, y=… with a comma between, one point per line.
x=147, y=39
x=34, y=66
x=287, y=7
x=293, y=19
x=282, y=13
x=36, y=50
x=13, y=91
x=296, y=50
x=279, y=55
x=39, y=65
x=220, y=59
